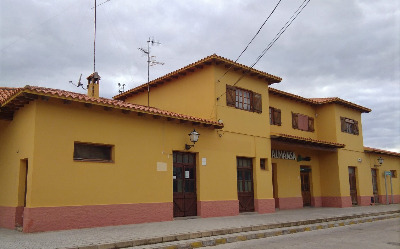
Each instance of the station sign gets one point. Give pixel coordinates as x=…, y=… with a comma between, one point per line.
x=283, y=154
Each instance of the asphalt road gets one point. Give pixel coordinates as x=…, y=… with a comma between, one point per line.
x=377, y=235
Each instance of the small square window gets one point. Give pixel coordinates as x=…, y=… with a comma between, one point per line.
x=349, y=126
x=263, y=163
x=394, y=173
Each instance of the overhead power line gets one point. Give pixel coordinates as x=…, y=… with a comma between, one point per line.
x=252, y=39
x=283, y=29
x=277, y=36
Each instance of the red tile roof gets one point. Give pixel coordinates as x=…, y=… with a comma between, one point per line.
x=199, y=64
x=320, y=101
x=379, y=151
x=306, y=140
x=8, y=95
x=7, y=92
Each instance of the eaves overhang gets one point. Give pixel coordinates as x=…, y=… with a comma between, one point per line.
x=304, y=141
x=216, y=59
x=319, y=101
x=13, y=99
x=381, y=152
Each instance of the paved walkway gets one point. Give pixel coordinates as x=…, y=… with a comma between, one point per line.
x=10, y=239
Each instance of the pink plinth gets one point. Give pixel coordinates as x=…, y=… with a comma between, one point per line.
x=289, y=203
x=217, y=208
x=382, y=199
x=8, y=217
x=336, y=201
x=263, y=206
x=74, y=217
x=316, y=201
x=364, y=200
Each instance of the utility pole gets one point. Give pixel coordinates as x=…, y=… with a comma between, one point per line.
x=151, y=61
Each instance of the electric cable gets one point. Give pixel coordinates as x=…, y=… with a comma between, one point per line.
x=252, y=39
x=277, y=36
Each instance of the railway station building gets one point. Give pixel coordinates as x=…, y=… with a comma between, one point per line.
x=213, y=138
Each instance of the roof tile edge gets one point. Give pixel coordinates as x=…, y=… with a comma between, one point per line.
x=117, y=104
x=213, y=57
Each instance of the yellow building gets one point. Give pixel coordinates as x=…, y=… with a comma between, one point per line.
x=70, y=160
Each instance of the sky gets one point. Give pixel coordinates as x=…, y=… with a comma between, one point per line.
x=334, y=48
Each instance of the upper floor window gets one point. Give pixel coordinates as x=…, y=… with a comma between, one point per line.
x=274, y=116
x=93, y=152
x=302, y=122
x=243, y=99
x=349, y=125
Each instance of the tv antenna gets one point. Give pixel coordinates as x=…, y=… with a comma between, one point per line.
x=151, y=61
x=94, y=42
x=79, y=84
x=121, y=86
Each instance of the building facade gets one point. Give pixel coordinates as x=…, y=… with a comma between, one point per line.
x=70, y=160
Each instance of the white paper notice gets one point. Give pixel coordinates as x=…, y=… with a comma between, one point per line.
x=161, y=166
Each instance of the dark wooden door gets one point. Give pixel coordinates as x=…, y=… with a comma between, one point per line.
x=353, y=185
x=245, y=184
x=275, y=184
x=374, y=174
x=184, y=184
x=305, y=187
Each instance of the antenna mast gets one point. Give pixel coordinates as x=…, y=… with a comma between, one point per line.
x=151, y=61
x=94, y=42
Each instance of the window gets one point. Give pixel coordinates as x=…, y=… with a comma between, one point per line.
x=349, y=125
x=274, y=116
x=394, y=173
x=92, y=152
x=302, y=122
x=243, y=99
x=263, y=163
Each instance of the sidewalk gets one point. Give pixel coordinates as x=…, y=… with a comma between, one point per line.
x=10, y=239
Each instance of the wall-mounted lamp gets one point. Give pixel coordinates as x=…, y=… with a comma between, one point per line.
x=380, y=160
x=194, y=137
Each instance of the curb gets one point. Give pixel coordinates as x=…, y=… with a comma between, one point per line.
x=266, y=234
x=255, y=232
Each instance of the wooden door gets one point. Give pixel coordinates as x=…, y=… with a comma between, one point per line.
x=353, y=185
x=374, y=174
x=275, y=184
x=305, y=186
x=245, y=184
x=184, y=184
x=22, y=193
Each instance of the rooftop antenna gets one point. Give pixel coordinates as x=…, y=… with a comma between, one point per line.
x=121, y=86
x=94, y=42
x=151, y=61
x=79, y=84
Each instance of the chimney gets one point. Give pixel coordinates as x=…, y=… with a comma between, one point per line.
x=93, y=85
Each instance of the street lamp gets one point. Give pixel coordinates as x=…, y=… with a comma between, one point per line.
x=194, y=137
x=380, y=160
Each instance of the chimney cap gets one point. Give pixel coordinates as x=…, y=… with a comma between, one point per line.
x=94, y=76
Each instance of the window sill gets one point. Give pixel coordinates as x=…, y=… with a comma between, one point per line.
x=93, y=160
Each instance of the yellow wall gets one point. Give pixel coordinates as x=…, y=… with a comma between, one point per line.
x=389, y=163
x=139, y=143
x=17, y=142
x=326, y=123
x=249, y=130
x=352, y=142
x=287, y=106
x=192, y=94
x=288, y=172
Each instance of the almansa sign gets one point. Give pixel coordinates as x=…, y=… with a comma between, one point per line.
x=283, y=154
